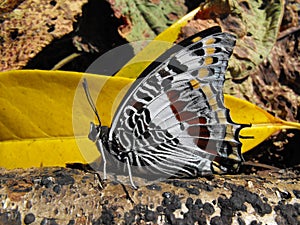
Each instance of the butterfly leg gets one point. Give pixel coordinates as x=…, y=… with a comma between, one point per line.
x=130, y=175
x=94, y=135
x=100, y=148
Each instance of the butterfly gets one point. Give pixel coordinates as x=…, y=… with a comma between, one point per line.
x=172, y=122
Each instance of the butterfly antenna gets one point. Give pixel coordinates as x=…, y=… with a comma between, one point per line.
x=90, y=100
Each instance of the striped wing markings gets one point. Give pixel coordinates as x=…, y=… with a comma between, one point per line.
x=162, y=91
x=160, y=111
x=155, y=66
x=208, y=96
x=211, y=96
x=199, y=129
x=191, y=148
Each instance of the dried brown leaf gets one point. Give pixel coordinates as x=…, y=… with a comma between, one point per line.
x=32, y=26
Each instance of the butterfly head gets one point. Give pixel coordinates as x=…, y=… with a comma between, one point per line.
x=95, y=132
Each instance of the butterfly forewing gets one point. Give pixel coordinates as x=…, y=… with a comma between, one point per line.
x=173, y=120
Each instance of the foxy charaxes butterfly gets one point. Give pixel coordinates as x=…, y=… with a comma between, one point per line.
x=172, y=121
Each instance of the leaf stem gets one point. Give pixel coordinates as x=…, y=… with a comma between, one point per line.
x=66, y=60
x=291, y=125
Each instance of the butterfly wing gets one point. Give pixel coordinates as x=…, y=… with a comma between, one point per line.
x=173, y=119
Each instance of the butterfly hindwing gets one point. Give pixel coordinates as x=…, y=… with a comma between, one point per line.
x=173, y=119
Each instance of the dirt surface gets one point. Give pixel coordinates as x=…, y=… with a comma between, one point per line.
x=31, y=25
x=72, y=196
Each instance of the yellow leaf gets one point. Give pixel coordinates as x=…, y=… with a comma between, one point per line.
x=38, y=117
x=41, y=112
x=261, y=124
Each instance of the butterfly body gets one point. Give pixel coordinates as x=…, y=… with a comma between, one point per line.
x=173, y=121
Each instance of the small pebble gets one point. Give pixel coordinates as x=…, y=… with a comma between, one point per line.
x=57, y=188
x=29, y=218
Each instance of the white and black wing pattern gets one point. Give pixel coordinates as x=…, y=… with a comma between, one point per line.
x=173, y=120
